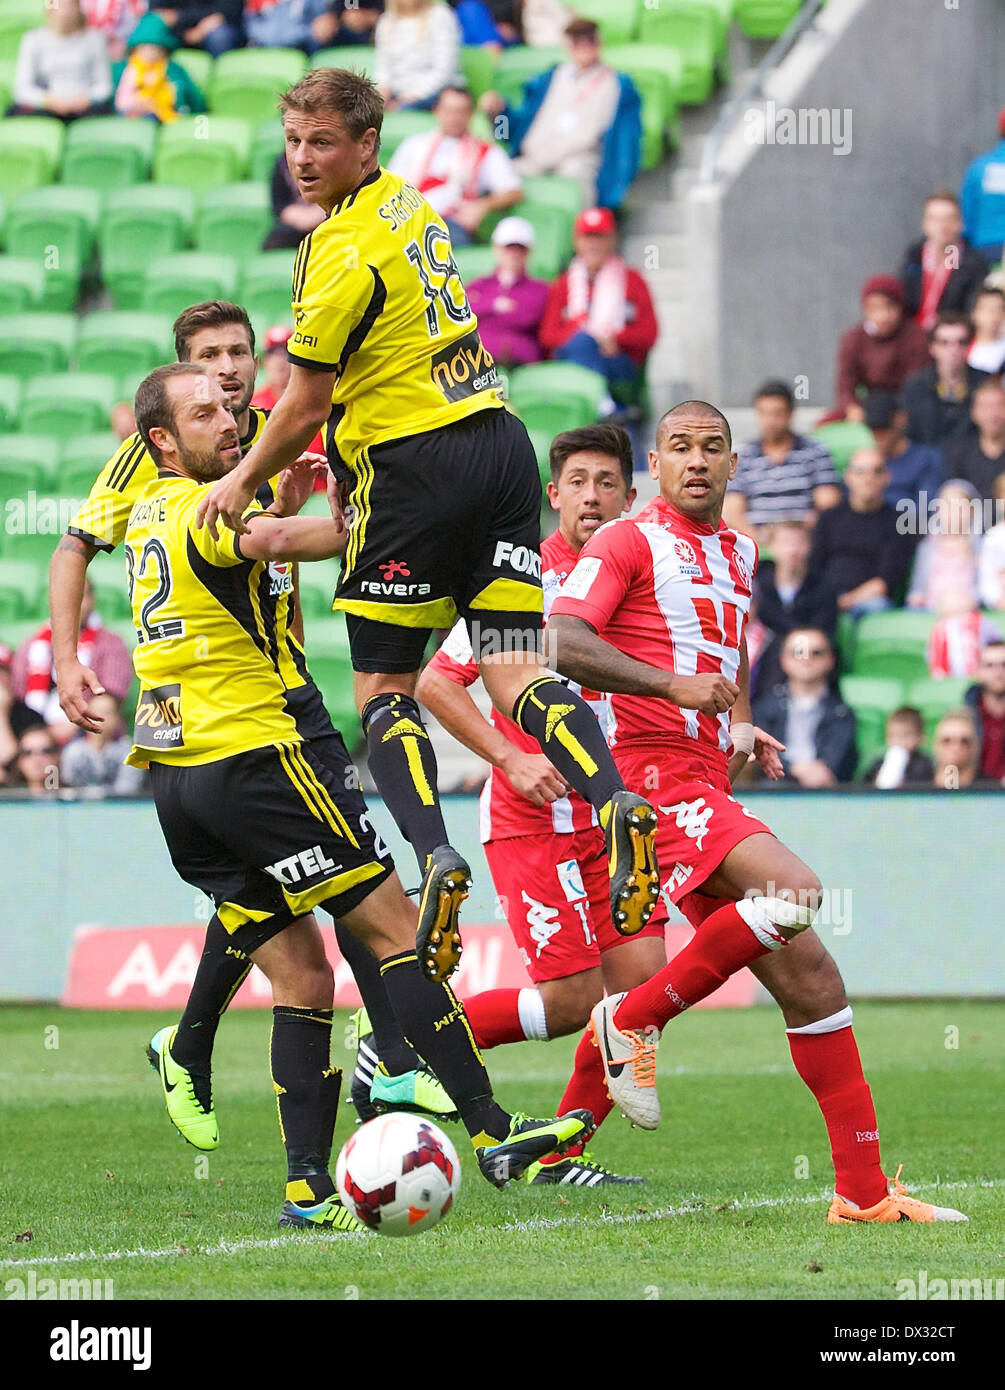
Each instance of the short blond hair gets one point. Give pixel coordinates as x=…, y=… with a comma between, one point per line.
x=340, y=92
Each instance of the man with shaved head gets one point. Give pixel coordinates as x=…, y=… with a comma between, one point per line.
x=654, y=613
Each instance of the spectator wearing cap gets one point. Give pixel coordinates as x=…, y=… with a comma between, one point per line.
x=913, y=469
x=938, y=397
x=982, y=199
x=942, y=272
x=148, y=85
x=418, y=51
x=509, y=303
x=600, y=313
x=15, y=715
x=276, y=366
x=986, y=698
x=33, y=676
x=881, y=351
x=979, y=457
x=295, y=217
x=987, y=351
x=463, y=178
x=581, y=120
x=857, y=548
x=782, y=476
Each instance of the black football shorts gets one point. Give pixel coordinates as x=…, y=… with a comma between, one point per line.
x=271, y=834
x=443, y=523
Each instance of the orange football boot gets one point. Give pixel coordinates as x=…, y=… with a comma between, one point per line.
x=895, y=1206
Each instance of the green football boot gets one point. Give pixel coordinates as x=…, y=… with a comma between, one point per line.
x=329, y=1215
x=187, y=1094
x=529, y=1141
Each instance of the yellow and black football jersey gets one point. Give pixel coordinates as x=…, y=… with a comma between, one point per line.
x=212, y=657
x=101, y=521
x=377, y=298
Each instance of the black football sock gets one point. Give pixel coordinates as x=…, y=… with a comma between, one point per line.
x=222, y=968
x=390, y=1044
x=403, y=765
x=434, y=1018
x=307, y=1090
x=570, y=737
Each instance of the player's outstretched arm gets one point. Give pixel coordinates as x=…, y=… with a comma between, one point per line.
x=578, y=652
x=531, y=773
x=269, y=537
x=74, y=681
x=301, y=411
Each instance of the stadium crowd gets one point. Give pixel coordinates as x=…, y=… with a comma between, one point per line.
x=895, y=503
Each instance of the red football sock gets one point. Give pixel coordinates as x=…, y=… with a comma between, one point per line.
x=506, y=1016
x=831, y=1067
x=724, y=943
x=587, y=1090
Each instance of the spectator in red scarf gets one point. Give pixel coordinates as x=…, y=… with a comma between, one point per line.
x=987, y=700
x=942, y=271
x=509, y=304
x=881, y=351
x=33, y=676
x=600, y=312
x=461, y=177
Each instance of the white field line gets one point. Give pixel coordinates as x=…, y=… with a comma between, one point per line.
x=533, y=1223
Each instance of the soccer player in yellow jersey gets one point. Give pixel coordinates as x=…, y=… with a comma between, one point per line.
x=218, y=335
x=441, y=493
x=254, y=818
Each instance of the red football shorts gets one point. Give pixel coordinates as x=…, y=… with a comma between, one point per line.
x=700, y=821
x=554, y=892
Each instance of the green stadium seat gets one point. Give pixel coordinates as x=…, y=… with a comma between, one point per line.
x=519, y=64
x=474, y=262
x=68, y=403
x=316, y=584
x=10, y=402
x=16, y=633
x=556, y=396
x=552, y=190
x=174, y=282
x=618, y=22
x=234, y=219
x=361, y=58
x=841, y=438
x=8, y=67
x=16, y=481
x=398, y=125
x=247, y=81
x=55, y=226
x=266, y=145
x=934, y=698
x=37, y=454
x=30, y=147
x=107, y=152
x=266, y=282
x=333, y=676
x=201, y=152
x=198, y=64
x=140, y=224
x=31, y=344
x=21, y=589
x=478, y=64
x=22, y=283
x=552, y=239
x=36, y=546
x=123, y=341
x=696, y=32
x=82, y=459
x=893, y=644
x=765, y=19
x=658, y=75
x=873, y=699
x=541, y=440
x=107, y=574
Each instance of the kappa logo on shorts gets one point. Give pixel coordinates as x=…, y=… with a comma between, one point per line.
x=306, y=863
x=541, y=921
x=692, y=817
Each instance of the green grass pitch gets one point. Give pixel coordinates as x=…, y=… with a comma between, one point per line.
x=734, y=1206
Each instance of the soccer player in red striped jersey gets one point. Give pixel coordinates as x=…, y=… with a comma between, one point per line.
x=543, y=844
x=654, y=613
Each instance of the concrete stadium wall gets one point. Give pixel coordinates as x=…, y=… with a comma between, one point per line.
x=914, y=883
x=778, y=248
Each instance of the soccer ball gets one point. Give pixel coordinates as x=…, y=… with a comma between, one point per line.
x=399, y=1174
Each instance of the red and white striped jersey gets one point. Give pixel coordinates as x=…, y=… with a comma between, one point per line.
x=674, y=593
x=503, y=813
